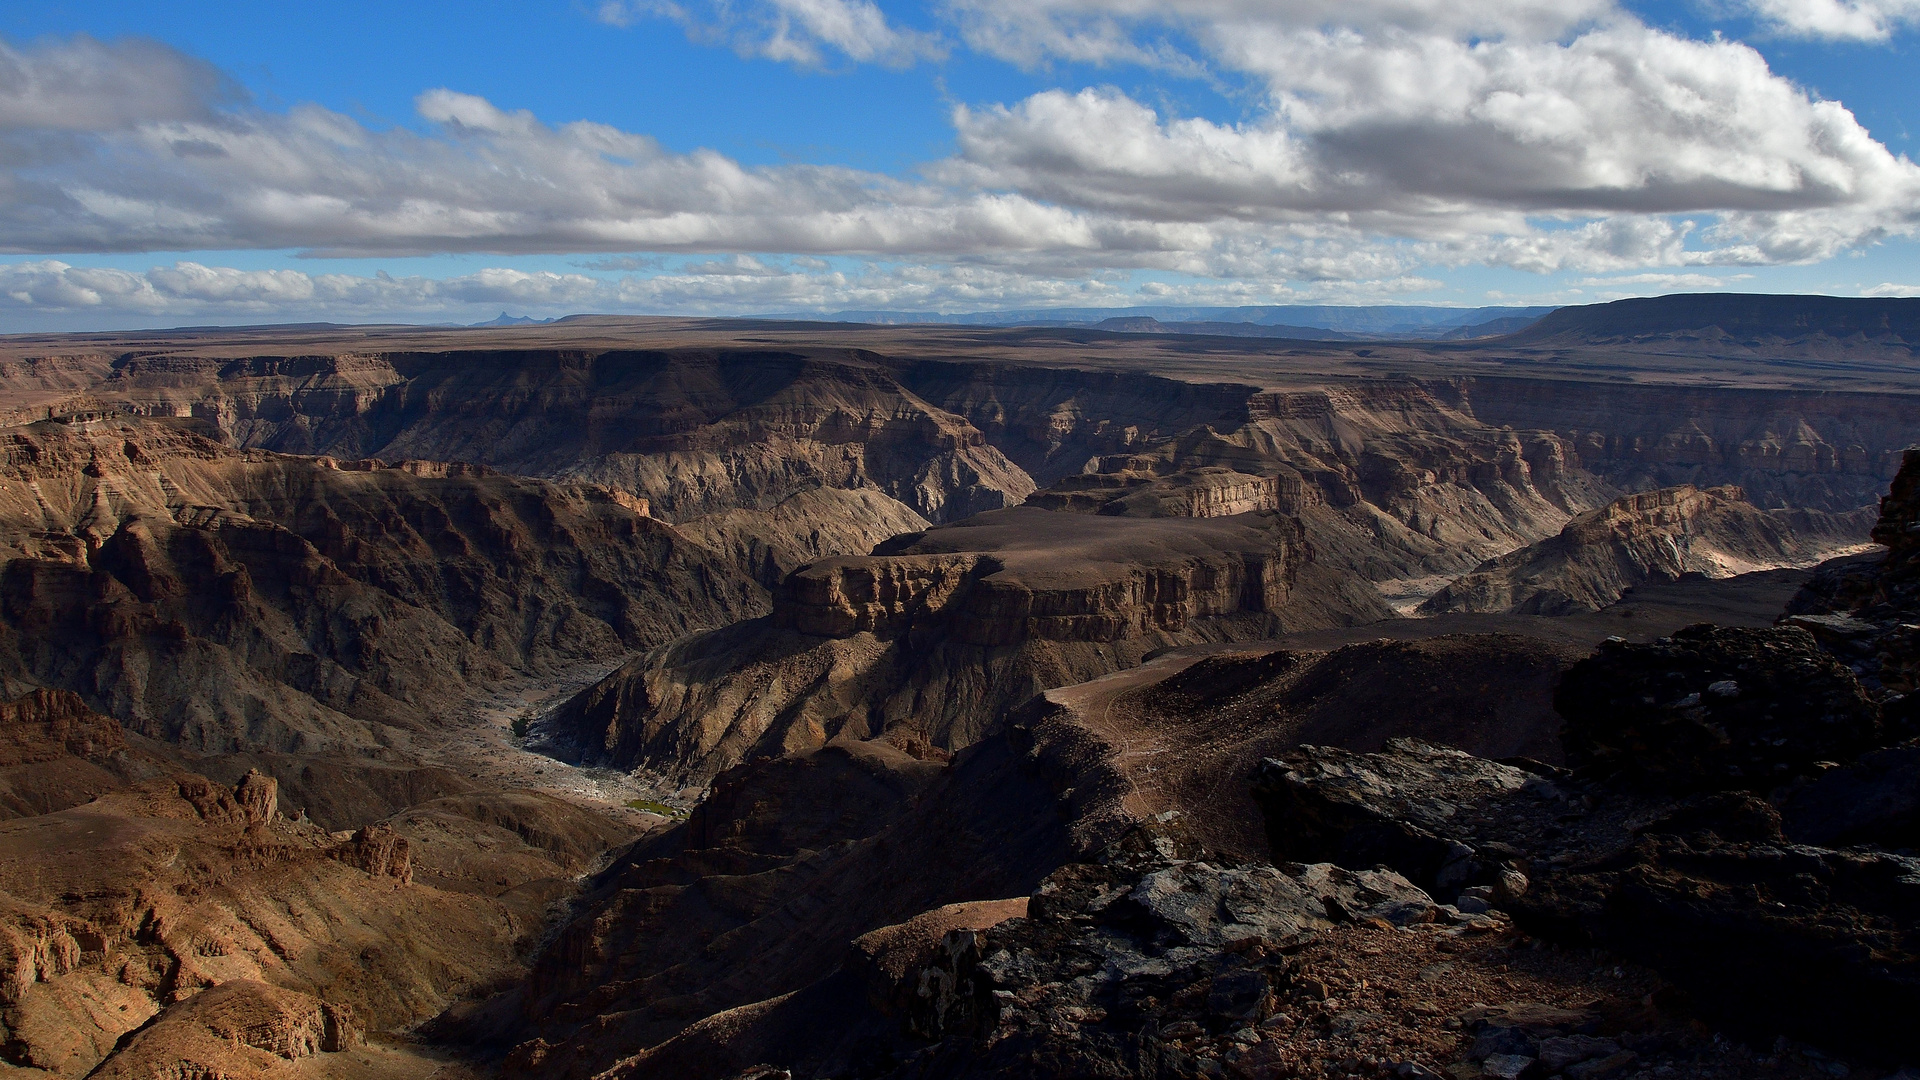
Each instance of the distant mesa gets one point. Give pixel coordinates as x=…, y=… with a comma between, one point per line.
x=1723, y=320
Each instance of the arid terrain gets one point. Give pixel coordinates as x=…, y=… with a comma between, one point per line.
x=696, y=698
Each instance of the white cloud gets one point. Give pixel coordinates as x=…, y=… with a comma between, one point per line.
x=1888, y=288
x=1417, y=134
x=1857, y=20
x=52, y=292
x=801, y=32
x=1389, y=138
x=1106, y=31
x=87, y=85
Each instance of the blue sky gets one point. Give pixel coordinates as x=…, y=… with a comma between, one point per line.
x=172, y=163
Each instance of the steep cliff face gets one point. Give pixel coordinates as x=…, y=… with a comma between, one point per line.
x=230, y=600
x=1392, y=481
x=695, y=432
x=1053, y=422
x=1647, y=537
x=937, y=634
x=1784, y=448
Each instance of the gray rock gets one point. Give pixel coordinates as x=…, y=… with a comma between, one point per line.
x=1410, y=807
x=1210, y=906
x=1561, y=1051
x=1506, y=1067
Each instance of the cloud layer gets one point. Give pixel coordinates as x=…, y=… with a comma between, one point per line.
x=1391, y=137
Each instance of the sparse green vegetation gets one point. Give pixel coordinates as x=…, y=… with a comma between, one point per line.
x=521, y=725
x=653, y=807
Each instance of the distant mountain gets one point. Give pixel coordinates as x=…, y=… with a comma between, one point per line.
x=514, y=320
x=1738, y=319
x=1378, y=321
x=1491, y=328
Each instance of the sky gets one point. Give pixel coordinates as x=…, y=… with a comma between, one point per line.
x=168, y=164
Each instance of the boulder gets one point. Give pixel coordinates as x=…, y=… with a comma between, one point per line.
x=1421, y=809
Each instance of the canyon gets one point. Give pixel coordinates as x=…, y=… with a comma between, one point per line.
x=656, y=697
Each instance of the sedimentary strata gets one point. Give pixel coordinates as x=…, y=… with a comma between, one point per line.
x=1647, y=537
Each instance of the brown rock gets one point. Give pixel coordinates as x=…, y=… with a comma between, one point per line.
x=236, y=1029
x=379, y=851
x=259, y=796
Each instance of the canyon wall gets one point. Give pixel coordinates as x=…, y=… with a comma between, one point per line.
x=1650, y=536
x=227, y=600
x=937, y=634
x=1784, y=448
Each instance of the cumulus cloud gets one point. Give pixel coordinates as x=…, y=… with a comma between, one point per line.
x=489, y=179
x=802, y=32
x=1424, y=135
x=1856, y=20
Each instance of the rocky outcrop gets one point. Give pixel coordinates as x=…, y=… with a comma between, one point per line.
x=240, y=1028
x=1419, y=808
x=937, y=634
x=1766, y=936
x=259, y=796
x=1647, y=537
x=1715, y=708
x=1861, y=609
x=379, y=851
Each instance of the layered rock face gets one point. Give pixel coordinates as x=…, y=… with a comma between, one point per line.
x=1646, y=537
x=1393, y=480
x=938, y=634
x=1783, y=448
x=697, y=433
x=230, y=600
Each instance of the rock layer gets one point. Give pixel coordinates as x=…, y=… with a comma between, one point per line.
x=1647, y=537
x=227, y=600
x=937, y=634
